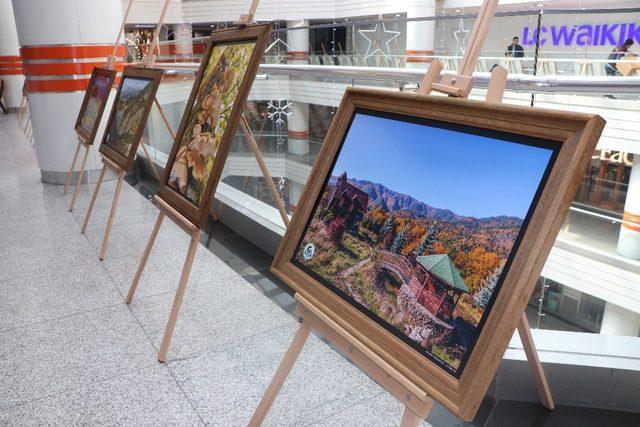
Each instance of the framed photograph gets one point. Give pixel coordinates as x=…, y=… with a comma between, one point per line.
x=95, y=99
x=425, y=224
x=211, y=117
x=129, y=114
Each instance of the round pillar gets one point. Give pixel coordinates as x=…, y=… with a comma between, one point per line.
x=10, y=62
x=298, y=121
x=298, y=42
x=420, y=34
x=61, y=41
x=617, y=320
x=629, y=238
x=183, y=39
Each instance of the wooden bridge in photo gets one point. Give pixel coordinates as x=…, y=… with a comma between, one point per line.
x=398, y=264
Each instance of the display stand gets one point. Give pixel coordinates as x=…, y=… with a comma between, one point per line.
x=189, y=227
x=87, y=148
x=112, y=213
x=314, y=316
x=416, y=402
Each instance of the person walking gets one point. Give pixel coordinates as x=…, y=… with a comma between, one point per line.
x=611, y=68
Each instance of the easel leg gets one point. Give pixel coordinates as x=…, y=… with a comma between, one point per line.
x=177, y=301
x=70, y=173
x=278, y=379
x=75, y=191
x=145, y=256
x=153, y=165
x=112, y=214
x=93, y=199
x=534, y=363
x=409, y=418
x=265, y=172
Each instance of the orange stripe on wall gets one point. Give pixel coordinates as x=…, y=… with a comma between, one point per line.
x=60, y=85
x=633, y=219
x=10, y=65
x=69, y=52
x=65, y=68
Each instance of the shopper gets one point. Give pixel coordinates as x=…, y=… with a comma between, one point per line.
x=515, y=50
x=618, y=52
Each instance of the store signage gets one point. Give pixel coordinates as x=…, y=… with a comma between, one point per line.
x=581, y=35
x=614, y=157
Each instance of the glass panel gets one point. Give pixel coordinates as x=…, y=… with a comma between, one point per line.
x=595, y=263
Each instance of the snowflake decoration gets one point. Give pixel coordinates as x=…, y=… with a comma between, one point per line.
x=379, y=35
x=277, y=110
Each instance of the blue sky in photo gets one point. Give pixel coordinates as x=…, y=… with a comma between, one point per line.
x=468, y=174
x=132, y=86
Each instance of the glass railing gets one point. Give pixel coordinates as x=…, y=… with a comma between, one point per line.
x=294, y=99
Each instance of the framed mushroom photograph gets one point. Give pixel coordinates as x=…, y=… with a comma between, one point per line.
x=129, y=115
x=95, y=99
x=425, y=224
x=211, y=117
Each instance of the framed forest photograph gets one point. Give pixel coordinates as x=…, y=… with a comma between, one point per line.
x=129, y=114
x=94, y=102
x=211, y=117
x=425, y=224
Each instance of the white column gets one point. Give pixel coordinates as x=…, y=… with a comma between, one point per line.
x=629, y=238
x=620, y=321
x=57, y=38
x=298, y=122
x=420, y=34
x=10, y=62
x=183, y=40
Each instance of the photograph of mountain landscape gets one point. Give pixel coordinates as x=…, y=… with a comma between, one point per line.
x=416, y=225
x=131, y=107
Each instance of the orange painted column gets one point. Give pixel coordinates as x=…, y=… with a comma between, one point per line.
x=61, y=42
x=297, y=112
x=629, y=238
x=10, y=62
x=420, y=33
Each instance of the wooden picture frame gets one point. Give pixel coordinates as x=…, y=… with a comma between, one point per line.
x=154, y=75
x=170, y=190
x=95, y=74
x=574, y=134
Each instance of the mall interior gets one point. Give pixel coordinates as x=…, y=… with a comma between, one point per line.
x=73, y=351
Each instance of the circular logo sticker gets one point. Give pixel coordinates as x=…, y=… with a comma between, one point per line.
x=308, y=251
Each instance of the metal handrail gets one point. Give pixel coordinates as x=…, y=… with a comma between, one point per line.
x=404, y=76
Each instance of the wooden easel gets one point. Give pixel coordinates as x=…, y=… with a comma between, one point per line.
x=87, y=148
x=106, y=163
x=192, y=229
x=417, y=403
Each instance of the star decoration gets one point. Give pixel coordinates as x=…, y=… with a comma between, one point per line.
x=461, y=35
x=277, y=42
x=379, y=35
x=278, y=110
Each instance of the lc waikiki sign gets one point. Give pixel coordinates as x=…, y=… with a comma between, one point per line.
x=581, y=35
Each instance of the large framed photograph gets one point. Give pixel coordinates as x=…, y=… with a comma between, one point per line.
x=425, y=224
x=95, y=99
x=211, y=117
x=129, y=114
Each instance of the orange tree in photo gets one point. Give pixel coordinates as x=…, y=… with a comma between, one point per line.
x=208, y=119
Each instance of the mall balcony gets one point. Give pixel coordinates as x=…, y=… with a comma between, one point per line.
x=71, y=352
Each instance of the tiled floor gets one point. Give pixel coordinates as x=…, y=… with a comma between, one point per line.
x=72, y=352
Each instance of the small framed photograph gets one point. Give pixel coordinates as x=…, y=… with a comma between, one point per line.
x=425, y=224
x=129, y=114
x=95, y=99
